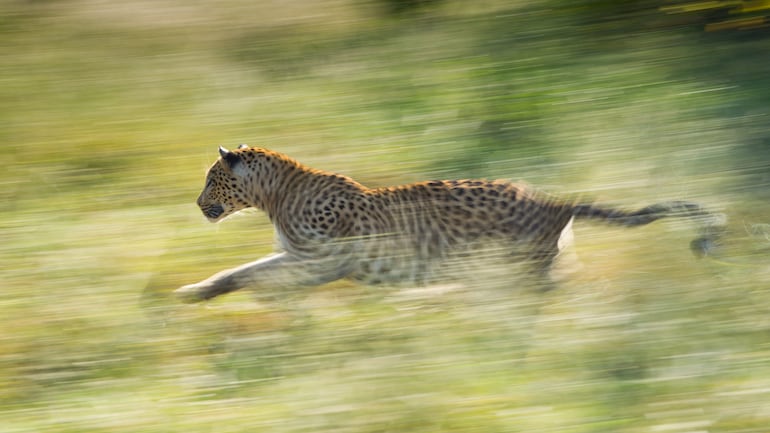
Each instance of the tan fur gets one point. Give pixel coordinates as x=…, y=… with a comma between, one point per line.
x=330, y=226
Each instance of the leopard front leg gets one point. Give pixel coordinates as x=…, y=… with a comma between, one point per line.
x=230, y=280
x=281, y=271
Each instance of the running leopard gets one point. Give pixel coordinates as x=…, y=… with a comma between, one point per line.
x=331, y=227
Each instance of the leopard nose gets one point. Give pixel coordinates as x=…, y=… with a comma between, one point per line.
x=200, y=200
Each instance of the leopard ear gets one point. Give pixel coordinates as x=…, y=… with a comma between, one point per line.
x=223, y=152
x=230, y=158
x=243, y=146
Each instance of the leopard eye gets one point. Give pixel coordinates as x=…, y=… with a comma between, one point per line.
x=209, y=183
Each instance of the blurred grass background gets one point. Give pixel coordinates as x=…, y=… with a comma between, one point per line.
x=110, y=112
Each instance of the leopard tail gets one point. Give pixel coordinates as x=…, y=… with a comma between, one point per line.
x=711, y=225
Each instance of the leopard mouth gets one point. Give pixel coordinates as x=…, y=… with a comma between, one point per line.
x=213, y=212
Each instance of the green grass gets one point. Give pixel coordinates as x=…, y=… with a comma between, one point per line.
x=111, y=113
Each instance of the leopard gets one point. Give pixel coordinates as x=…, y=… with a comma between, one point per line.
x=330, y=227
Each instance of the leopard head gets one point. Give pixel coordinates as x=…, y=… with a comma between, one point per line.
x=224, y=193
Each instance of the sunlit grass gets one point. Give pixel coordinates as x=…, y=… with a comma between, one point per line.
x=112, y=113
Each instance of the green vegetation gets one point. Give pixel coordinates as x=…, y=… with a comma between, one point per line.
x=111, y=111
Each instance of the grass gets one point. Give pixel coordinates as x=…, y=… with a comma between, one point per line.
x=111, y=113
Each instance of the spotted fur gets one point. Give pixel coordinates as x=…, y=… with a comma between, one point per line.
x=329, y=226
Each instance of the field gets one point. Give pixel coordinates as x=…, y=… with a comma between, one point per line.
x=110, y=113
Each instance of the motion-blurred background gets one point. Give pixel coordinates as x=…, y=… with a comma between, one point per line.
x=110, y=112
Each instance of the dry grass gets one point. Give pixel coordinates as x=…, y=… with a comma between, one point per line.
x=113, y=111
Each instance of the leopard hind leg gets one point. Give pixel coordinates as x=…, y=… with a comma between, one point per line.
x=552, y=259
